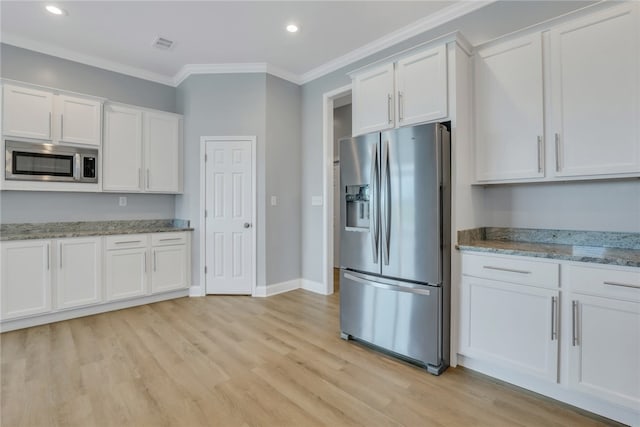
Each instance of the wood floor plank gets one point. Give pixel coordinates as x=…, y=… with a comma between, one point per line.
x=236, y=361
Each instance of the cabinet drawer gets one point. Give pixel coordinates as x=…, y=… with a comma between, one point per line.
x=163, y=239
x=614, y=283
x=126, y=241
x=512, y=269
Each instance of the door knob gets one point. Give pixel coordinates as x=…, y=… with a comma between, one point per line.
x=247, y=225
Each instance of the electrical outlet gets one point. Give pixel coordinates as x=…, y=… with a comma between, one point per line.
x=274, y=201
x=122, y=201
x=316, y=201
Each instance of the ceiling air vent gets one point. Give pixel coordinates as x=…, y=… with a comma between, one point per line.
x=162, y=43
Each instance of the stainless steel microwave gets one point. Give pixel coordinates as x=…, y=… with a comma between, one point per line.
x=27, y=161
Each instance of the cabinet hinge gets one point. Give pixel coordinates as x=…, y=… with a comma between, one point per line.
x=205, y=269
x=205, y=213
x=205, y=158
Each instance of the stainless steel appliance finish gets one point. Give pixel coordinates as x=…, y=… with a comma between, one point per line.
x=25, y=161
x=395, y=242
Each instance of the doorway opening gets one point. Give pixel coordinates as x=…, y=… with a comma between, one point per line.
x=337, y=124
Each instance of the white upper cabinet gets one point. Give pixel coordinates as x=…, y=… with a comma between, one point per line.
x=509, y=110
x=27, y=113
x=79, y=120
x=163, y=152
x=409, y=91
x=422, y=87
x=122, y=151
x=373, y=100
x=595, y=84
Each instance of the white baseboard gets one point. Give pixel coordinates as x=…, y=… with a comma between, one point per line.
x=317, y=287
x=277, y=288
x=196, y=291
x=27, y=322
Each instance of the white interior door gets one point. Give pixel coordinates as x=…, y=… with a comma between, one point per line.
x=229, y=222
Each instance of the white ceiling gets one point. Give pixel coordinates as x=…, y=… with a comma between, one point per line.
x=249, y=35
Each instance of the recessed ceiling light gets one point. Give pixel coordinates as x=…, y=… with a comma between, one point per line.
x=292, y=28
x=55, y=10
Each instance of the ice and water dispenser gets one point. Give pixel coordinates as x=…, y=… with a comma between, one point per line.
x=357, y=202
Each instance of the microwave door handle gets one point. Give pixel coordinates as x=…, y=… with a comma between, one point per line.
x=77, y=159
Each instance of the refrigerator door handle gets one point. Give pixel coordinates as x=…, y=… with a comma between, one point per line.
x=386, y=201
x=373, y=204
x=394, y=285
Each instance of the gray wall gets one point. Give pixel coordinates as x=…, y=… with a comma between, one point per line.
x=283, y=130
x=221, y=105
x=40, y=206
x=589, y=205
x=45, y=70
x=32, y=67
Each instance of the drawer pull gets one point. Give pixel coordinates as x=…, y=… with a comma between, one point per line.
x=173, y=238
x=624, y=285
x=128, y=241
x=508, y=270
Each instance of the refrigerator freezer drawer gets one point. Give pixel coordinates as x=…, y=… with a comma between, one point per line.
x=398, y=316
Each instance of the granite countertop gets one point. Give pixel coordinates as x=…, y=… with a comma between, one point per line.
x=584, y=246
x=55, y=230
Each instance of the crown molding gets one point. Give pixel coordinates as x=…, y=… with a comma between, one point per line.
x=427, y=23
x=447, y=14
x=60, y=52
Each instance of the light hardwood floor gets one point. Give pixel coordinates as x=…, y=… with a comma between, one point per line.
x=241, y=361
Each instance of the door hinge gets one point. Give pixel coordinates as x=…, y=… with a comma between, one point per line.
x=205, y=158
x=205, y=269
x=205, y=213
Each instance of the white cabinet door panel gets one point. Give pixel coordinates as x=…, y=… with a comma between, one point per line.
x=126, y=273
x=79, y=120
x=596, y=93
x=510, y=325
x=509, y=110
x=162, y=146
x=373, y=100
x=25, y=278
x=422, y=87
x=122, y=150
x=79, y=270
x=27, y=113
x=605, y=351
x=169, y=268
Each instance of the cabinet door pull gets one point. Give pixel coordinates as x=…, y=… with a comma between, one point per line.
x=539, y=154
x=508, y=270
x=557, y=140
x=48, y=256
x=624, y=285
x=574, y=328
x=60, y=253
x=147, y=184
x=554, y=318
x=50, y=130
x=400, y=105
x=139, y=177
x=389, y=108
x=145, y=262
x=61, y=126
x=154, y=261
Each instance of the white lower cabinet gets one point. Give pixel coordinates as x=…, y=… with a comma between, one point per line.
x=169, y=268
x=605, y=349
x=126, y=266
x=78, y=272
x=513, y=325
x=43, y=281
x=26, y=278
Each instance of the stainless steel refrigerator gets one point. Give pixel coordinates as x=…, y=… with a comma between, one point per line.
x=394, y=242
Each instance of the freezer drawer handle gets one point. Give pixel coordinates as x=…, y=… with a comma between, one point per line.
x=624, y=285
x=508, y=270
x=387, y=286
